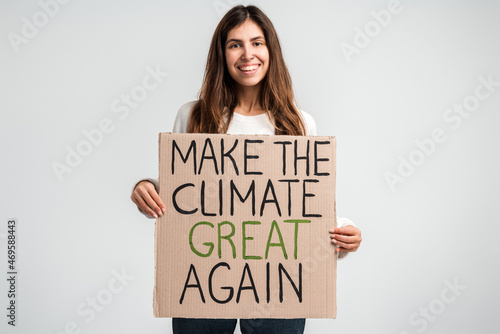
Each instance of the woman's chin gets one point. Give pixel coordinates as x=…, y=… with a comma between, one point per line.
x=249, y=83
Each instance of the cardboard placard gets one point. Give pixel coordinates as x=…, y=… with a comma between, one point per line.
x=245, y=234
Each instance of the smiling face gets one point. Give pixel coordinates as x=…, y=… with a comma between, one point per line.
x=247, y=56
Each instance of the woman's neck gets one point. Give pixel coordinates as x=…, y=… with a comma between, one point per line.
x=248, y=101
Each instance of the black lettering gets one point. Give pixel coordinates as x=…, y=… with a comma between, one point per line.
x=289, y=194
x=174, y=201
x=284, y=143
x=208, y=143
x=246, y=156
x=316, y=159
x=273, y=200
x=197, y=285
x=298, y=291
x=251, y=190
x=220, y=197
x=202, y=200
x=268, y=278
x=304, y=195
x=184, y=159
x=231, y=290
x=248, y=287
x=297, y=157
x=228, y=155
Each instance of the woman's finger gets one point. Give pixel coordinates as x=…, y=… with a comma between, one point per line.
x=144, y=207
x=154, y=195
x=346, y=230
x=344, y=238
x=151, y=203
x=346, y=246
x=147, y=199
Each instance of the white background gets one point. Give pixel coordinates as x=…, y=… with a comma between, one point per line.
x=440, y=224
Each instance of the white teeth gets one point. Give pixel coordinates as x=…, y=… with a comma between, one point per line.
x=248, y=68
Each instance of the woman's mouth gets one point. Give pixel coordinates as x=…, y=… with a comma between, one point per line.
x=248, y=70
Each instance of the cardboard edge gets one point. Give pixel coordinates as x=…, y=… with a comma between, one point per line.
x=156, y=306
x=328, y=314
x=334, y=304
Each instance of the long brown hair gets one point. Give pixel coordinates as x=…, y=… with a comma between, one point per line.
x=217, y=97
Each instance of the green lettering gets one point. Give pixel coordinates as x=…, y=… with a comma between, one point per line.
x=227, y=237
x=210, y=244
x=245, y=238
x=281, y=244
x=296, y=222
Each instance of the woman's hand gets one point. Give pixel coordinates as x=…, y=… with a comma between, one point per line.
x=147, y=199
x=347, y=238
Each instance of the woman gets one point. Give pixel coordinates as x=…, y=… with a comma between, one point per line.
x=246, y=89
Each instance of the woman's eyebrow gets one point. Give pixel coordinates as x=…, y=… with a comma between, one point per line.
x=239, y=40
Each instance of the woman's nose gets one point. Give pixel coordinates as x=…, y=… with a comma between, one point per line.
x=247, y=53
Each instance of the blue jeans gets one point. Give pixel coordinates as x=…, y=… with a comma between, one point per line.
x=247, y=326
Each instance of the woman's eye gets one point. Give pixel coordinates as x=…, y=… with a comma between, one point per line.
x=233, y=46
x=258, y=43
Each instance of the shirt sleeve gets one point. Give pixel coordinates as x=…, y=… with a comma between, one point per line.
x=342, y=222
x=182, y=118
x=180, y=126
x=309, y=123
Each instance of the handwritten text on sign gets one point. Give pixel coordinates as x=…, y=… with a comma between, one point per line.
x=243, y=213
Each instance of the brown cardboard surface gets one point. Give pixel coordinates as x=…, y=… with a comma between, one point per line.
x=269, y=256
